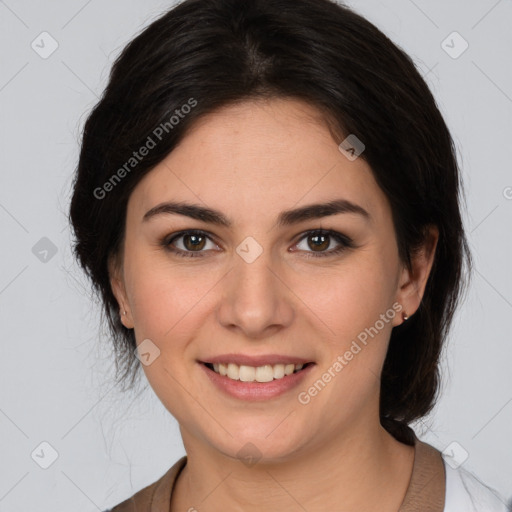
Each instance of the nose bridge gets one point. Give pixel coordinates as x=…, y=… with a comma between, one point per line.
x=255, y=298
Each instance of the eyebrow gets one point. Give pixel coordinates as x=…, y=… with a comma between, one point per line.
x=286, y=218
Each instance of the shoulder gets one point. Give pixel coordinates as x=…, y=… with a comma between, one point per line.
x=157, y=493
x=466, y=493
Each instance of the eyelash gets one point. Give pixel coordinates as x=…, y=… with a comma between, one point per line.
x=344, y=241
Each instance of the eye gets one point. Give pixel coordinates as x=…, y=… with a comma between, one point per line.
x=189, y=242
x=321, y=240
x=194, y=243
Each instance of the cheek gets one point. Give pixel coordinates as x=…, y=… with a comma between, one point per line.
x=166, y=306
x=169, y=305
x=351, y=297
x=354, y=305
x=162, y=296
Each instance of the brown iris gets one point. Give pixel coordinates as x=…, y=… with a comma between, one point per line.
x=194, y=241
x=320, y=242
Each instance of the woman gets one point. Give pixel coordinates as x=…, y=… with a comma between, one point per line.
x=267, y=201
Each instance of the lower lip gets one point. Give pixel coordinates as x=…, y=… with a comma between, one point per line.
x=254, y=391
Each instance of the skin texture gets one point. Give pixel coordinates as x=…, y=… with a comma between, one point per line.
x=251, y=161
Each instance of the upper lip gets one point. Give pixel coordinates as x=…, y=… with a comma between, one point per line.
x=261, y=360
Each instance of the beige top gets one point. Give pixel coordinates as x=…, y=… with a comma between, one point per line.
x=426, y=491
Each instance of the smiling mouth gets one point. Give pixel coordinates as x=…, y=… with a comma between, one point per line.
x=265, y=373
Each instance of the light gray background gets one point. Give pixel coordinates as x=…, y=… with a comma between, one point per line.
x=55, y=363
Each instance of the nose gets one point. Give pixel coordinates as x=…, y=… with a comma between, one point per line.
x=255, y=300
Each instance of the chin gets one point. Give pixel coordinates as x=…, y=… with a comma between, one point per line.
x=260, y=444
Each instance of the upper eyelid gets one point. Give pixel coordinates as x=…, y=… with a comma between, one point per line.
x=179, y=234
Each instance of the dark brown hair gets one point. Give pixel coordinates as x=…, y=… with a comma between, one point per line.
x=218, y=52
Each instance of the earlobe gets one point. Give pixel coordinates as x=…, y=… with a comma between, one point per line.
x=414, y=280
x=119, y=291
x=124, y=309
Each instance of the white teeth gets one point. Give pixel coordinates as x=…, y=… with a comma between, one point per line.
x=288, y=369
x=233, y=371
x=278, y=371
x=247, y=373
x=265, y=373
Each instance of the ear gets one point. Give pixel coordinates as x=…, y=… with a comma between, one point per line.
x=413, y=282
x=119, y=290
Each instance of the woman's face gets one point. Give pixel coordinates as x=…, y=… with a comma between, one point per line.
x=251, y=286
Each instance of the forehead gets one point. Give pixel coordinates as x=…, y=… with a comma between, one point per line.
x=257, y=157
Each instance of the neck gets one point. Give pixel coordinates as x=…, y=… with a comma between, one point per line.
x=366, y=469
